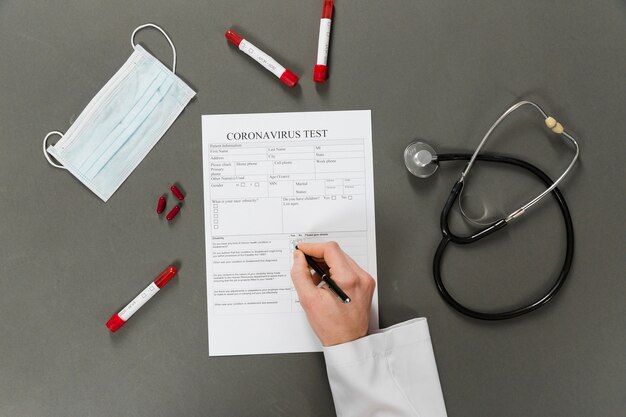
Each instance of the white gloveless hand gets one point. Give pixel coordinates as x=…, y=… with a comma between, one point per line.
x=333, y=321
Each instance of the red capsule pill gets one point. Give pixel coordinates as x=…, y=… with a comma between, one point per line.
x=173, y=213
x=161, y=205
x=177, y=193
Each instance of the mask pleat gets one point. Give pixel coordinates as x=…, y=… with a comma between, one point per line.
x=131, y=123
x=129, y=111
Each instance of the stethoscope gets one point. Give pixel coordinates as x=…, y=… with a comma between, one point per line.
x=422, y=161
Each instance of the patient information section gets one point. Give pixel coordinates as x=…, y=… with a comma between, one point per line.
x=271, y=181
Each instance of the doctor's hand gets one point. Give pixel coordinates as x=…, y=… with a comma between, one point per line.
x=333, y=321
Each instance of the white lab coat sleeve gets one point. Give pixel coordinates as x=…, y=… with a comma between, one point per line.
x=391, y=372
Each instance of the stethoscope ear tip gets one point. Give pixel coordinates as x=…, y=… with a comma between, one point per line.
x=420, y=159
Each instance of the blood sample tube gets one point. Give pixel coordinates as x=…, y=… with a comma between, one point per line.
x=320, y=71
x=177, y=192
x=173, y=213
x=286, y=76
x=118, y=320
x=160, y=205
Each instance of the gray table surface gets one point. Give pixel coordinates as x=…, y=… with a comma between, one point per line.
x=439, y=70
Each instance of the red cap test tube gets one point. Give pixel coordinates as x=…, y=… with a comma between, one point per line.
x=119, y=319
x=286, y=76
x=320, y=71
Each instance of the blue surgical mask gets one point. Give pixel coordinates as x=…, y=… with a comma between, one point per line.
x=122, y=123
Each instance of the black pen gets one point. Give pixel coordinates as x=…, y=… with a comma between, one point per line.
x=327, y=279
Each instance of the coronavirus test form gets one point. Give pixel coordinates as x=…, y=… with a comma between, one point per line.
x=271, y=181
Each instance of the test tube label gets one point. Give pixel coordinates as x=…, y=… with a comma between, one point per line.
x=138, y=301
x=262, y=58
x=323, y=41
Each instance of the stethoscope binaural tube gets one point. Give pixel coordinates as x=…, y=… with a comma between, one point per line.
x=552, y=124
x=448, y=237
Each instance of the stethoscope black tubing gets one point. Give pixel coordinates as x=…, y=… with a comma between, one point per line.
x=449, y=237
x=464, y=240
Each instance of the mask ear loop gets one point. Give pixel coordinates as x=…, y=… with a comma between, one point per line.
x=152, y=25
x=45, y=152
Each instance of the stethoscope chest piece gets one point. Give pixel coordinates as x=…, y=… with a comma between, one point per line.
x=420, y=159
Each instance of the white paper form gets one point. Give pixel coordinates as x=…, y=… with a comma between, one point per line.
x=270, y=181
